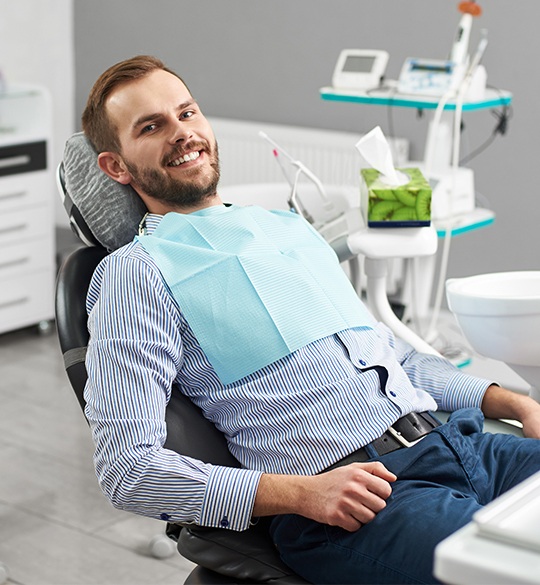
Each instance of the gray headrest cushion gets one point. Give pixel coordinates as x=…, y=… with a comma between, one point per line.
x=112, y=211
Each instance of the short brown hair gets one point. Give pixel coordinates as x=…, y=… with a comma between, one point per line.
x=95, y=120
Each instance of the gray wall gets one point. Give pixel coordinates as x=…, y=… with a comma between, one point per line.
x=265, y=60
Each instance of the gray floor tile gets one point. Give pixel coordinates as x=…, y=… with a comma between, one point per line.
x=44, y=553
x=137, y=534
x=54, y=490
x=54, y=431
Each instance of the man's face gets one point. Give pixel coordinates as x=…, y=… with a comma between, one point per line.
x=168, y=147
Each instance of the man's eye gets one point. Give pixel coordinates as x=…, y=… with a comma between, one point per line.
x=187, y=114
x=148, y=128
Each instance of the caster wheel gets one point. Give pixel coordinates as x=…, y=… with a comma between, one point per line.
x=162, y=547
x=44, y=327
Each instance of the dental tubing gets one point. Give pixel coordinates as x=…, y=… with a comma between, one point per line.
x=456, y=140
x=301, y=169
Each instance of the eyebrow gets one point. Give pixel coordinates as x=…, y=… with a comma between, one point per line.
x=156, y=116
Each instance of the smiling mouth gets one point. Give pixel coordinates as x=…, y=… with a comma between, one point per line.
x=185, y=158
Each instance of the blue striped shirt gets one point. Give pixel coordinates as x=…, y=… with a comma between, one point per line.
x=296, y=416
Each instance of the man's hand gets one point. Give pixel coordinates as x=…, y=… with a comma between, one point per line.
x=348, y=496
x=503, y=403
x=531, y=420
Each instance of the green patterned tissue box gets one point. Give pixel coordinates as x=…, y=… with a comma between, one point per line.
x=383, y=205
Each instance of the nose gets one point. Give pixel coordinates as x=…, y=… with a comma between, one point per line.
x=180, y=131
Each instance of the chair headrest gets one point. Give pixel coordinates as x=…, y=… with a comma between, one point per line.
x=110, y=210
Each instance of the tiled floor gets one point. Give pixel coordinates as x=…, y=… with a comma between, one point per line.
x=56, y=527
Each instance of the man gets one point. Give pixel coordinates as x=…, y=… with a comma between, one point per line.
x=313, y=424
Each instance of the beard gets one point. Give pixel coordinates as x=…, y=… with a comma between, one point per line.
x=190, y=191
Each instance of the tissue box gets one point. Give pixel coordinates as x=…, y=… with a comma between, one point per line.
x=408, y=205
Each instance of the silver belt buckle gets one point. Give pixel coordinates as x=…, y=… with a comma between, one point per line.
x=402, y=440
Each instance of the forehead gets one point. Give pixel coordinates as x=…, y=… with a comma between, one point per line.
x=156, y=93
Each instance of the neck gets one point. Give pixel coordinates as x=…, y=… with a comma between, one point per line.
x=161, y=208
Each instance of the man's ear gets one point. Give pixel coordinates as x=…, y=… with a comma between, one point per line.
x=113, y=165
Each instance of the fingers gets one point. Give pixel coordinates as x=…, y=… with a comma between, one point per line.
x=373, y=481
x=356, y=493
x=350, y=524
x=378, y=469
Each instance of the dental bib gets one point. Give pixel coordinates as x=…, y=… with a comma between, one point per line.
x=254, y=285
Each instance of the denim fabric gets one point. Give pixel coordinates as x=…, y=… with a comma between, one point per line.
x=441, y=482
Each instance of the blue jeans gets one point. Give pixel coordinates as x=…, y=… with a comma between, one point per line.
x=442, y=482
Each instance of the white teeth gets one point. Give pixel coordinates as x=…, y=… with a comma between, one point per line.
x=187, y=157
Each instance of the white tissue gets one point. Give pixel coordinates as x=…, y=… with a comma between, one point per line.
x=376, y=151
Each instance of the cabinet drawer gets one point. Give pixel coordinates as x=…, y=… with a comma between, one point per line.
x=26, y=258
x=22, y=225
x=23, y=158
x=22, y=191
x=26, y=300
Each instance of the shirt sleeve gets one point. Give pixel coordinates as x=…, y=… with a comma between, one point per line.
x=451, y=388
x=134, y=355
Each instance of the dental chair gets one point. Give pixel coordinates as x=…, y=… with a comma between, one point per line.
x=91, y=199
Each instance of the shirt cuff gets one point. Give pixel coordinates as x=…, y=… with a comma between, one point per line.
x=229, y=498
x=464, y=391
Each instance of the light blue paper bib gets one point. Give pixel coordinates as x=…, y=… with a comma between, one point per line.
x=253, y=285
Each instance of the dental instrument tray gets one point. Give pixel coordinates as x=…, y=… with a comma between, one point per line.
x=514, y=518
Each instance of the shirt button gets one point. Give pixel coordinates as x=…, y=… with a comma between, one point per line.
x=164, y=516
x=363, y=363
x=224, y=522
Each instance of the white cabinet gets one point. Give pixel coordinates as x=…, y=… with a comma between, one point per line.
x=27, y=265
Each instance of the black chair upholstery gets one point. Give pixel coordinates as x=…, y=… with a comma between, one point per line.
x=224, y=556
x=71, y=318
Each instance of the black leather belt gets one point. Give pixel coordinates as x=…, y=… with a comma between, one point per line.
x=405, y=432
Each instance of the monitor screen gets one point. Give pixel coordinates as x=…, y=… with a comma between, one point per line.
x=358, y=64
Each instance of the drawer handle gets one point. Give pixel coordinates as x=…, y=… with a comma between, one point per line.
x=14, y=302
x=13, y=228
x=15, y=262
x=15, y=195
x=14, y=161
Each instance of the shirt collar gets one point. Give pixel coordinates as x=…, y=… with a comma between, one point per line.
x=150, y=223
